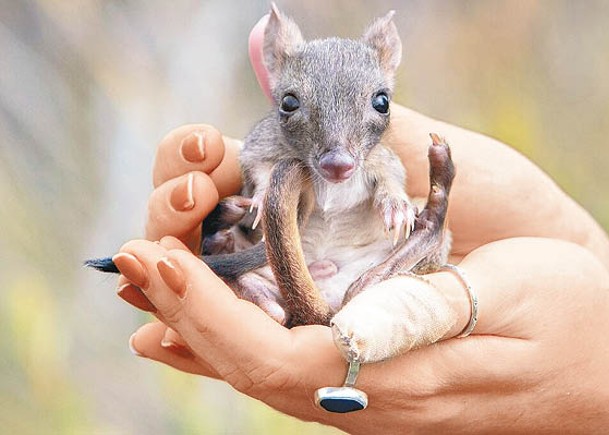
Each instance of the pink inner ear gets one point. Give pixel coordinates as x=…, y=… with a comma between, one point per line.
x=256, y=41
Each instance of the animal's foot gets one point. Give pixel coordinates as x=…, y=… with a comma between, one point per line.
x=218, y=228
x=391, y=318
x=227, y=213
x=263, y=292
x=442, y=170
x=398, y=215
x=222, y=242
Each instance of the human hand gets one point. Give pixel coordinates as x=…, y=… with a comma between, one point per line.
x=435, y=378
x=538, y=353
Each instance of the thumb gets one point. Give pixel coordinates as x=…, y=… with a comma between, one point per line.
x=256, y=41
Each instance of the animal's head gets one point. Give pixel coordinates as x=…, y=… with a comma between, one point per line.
x=332, y=95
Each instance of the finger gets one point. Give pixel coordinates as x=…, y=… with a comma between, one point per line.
x=133, y=295
x=247, y=348
x=223, y=311
x=173, y=339
x=256, y=41
x=197, y=304
x=147, y=341
x=137, y=263
x=169, y=243
x=178, y=206
x=520, y=291
x=234, y=337
x=194, y=147
x=227, y=176
x=133, y=271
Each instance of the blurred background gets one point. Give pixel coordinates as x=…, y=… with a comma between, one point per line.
x=87, y=89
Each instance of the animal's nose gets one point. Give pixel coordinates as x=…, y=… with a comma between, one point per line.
x=336, y=166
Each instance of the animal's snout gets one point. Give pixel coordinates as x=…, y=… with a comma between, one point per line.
x=336, y=166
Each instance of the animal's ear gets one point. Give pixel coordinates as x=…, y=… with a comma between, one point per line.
x=282, y=38
x=382, y=36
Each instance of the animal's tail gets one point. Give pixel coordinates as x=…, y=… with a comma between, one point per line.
x=102, y=264
x=282, y=208
x=228, y=266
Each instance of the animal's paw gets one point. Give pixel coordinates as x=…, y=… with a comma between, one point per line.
x=222, y=242
x=391, y=318
x=398, y=215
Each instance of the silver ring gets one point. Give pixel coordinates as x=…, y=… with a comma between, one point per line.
x=346, y=398
x=473, y=299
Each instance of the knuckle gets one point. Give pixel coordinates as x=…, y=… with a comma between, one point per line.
x=172, y=313
x=263, y=380
x=170, y=160
x=239, y=380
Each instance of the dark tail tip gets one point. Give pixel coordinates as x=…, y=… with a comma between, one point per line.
x=102, y=264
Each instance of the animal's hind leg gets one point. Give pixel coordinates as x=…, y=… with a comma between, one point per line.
x=429, y=244
x=442, y=173
x=387, y=319
x=220, y=232
x=259, y=288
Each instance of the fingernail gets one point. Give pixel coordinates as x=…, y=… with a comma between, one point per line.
x=134, y=296
x=182, y=198
x=193, y=147
x=131, y=268
x=167, y=343
x=132, y=348
x=173, y=276
x=173, y=342
x=177, y=349
x=172, y=339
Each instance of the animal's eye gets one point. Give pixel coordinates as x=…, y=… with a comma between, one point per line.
x=289, y=104
x=380, y=102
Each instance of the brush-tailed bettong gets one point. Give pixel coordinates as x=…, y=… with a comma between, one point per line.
x=329, y=196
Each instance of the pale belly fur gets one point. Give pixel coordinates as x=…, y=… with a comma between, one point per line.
x=347, y=230
x=344, y=229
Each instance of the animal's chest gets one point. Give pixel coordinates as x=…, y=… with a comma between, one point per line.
x=346, y=230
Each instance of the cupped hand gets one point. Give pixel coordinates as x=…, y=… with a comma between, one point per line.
x=537, y=352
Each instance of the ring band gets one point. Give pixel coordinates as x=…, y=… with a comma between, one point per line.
x=346, y=398
x=473, y=299
x=352, y=374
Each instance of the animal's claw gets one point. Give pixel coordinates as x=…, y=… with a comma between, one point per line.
x=256, y=207
x=399, y=217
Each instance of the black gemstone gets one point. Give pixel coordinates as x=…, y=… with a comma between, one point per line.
x=341, y=405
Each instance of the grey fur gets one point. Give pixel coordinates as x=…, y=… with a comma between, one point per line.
x=335, y=81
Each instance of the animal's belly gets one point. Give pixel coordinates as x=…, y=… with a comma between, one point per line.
x=350, y=265
x=352, y=248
